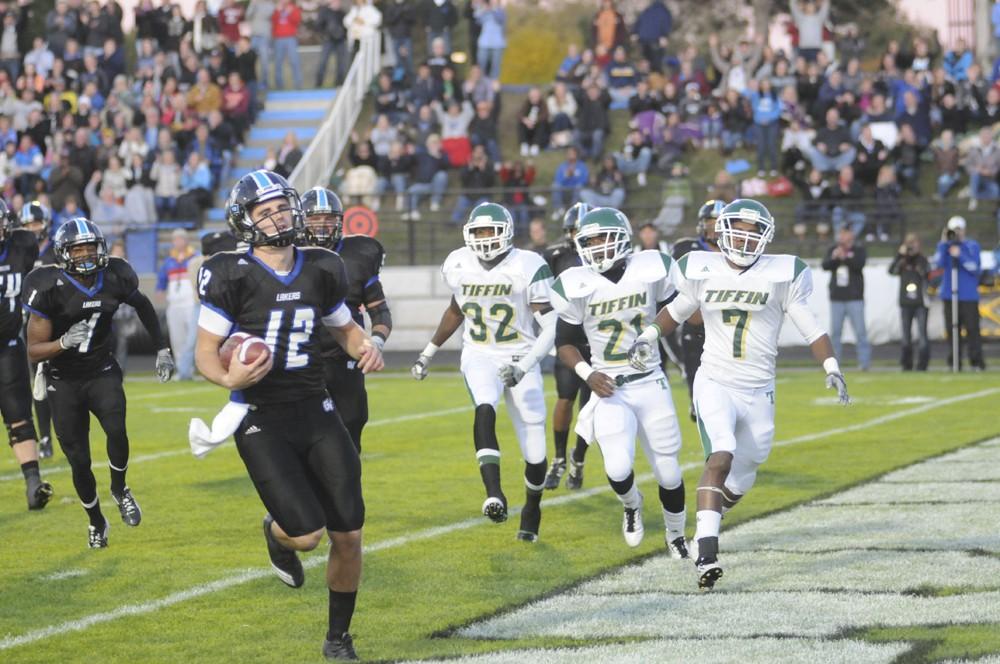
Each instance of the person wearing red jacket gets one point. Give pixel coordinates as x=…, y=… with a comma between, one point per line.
x=284, y=30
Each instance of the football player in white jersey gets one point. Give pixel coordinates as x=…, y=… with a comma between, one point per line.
x=744, y=296
x=499, y=293
x=607, y=303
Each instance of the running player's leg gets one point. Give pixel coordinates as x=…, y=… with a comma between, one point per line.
x=43, y=416
x=717, y=416
x=106, y=398
x=754, y=438
x=660, y=436
x=71, y=421
x=485, y=388
x=15, y=408
x=526, y=405
x=346, y=384
x=615, y=428
x=567, y=387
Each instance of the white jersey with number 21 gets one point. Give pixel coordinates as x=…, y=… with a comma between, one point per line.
x=743, y=309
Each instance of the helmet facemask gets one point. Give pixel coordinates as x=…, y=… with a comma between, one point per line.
x=280, y=224
x=84, y=263
x=488, y=246
x=324, y=229
x=742, y=246
x=598, y=255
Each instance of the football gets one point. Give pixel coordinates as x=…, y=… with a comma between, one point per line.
x=248, y=347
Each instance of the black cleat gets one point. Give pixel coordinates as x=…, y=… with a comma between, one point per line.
x=39, y=495
x=556, y=471
x=45, y=447
x=574, y=476
x=495, y=509
x=531, y=517
x=127, y=507
x=285, y=562
x=98, y=539
x=678, y=549
x=340, y=649
x=709, y=571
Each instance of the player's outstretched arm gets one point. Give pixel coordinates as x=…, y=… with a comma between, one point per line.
x=353, y=339
x=822, y=350
x=42, y=347
x=451, y=320
x=511, y=374
x=240, y=376
x=147, y=316
x=381, y=319
x=642, y=350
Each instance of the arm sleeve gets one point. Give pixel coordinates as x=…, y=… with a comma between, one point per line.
x=147, y=315
x=969, y=258
x=686, y=300
x=796, y=305
x=857, y=261
x=543, y=343
x=373, y=287
x=218, y=302
x=335, y=311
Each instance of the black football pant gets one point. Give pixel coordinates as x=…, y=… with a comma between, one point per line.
x=72, y=401
x=692, y=346
x=968, y=319
x=15, y=386
x=346, y=384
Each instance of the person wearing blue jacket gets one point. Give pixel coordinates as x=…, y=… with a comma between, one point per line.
x=570, y=177
x=174, y=280
x=955, y=246
x=652, y=30
x=766, y=116
x=492, y=20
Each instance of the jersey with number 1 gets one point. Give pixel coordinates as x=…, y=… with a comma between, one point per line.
x=614, y=314
x=496, y=302
x=241, y=293
x=743, y=311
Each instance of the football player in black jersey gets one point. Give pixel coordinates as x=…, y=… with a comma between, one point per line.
x=560, y=257
x=692, y=332
x=18, y=251
x=69, y=329
x=363, y=258
x=294, y=445
x=37, y=218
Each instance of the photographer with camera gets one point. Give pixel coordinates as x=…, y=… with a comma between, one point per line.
x=959, y=258
x=912, y=268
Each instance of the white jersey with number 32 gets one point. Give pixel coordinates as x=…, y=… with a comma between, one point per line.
x=743, y=310
x=496, y=302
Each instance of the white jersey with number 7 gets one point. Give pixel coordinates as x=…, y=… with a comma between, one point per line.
x=743, y=309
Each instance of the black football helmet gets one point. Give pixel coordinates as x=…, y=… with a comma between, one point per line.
x=255, y=188
x=8, y=221
x=707, y=215
x=75, y=232
x=34, y=213
x=318, y=202
x=571, y=220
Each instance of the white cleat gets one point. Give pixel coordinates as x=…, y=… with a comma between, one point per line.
x=632, y=528
x=678, y=548
x=495, y=509
x=709, y=571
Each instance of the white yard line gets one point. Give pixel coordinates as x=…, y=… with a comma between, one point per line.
x=246, y=576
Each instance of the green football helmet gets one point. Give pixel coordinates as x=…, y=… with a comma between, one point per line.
x=491, y=216
x=611, y=225
x=742, y=246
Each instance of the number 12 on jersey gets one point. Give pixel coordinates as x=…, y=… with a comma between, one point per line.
x=299, y=332
x=740, y=319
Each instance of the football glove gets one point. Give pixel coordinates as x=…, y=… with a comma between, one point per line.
x=836, y=380
x=511, y=375
x=639, y=354
x=419, y=368
x=165, y=365
x=78, y=333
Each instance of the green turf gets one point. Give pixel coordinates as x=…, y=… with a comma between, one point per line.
x=202, y=523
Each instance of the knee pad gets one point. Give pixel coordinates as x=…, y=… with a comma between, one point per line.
x=534, y=443
x=617, y=464
x=19, y=433
x=739, y=482
x=667, y=472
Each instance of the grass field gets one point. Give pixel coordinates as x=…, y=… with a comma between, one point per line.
x=192, y=582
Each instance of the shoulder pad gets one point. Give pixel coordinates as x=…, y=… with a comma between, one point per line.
x=778, y=268
x=43, y=277
x=649, y=266
x=698, y=265
x=576, y=282
x=22, y=238
x=120, y=266
x=363, y=244
x=684, y=246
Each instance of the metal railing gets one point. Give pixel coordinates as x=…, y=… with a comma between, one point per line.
x=321, y=157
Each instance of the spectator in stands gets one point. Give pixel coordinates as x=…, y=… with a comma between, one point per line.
x=65, y=179
x=562, y=107
x=955, y=250
x=809, y=19
x=652, y=30
x=982, y=163
x=105, y=211
x=425, y=89
x=516, y=178
x=140, y=205
x=196, y=188
x=421, y=127
x=477, y=180
x=608, y=27
x=429, y=176
x=398, y=19
x=10, y=55
x=569, y=63
x=230, y=16
x=906, y=156
x=736, y=68
x=284, y=32
x=492, y=41
x=737, y=118
x=205, y=96
x=845, y=197
x=833, y=149
x=174, y=280
x=60, y=26
x=393, y=171
x=888, y=213
x=622, y=78
x=635, y=157
x=289, y=155
x=479, y=88
x=236, y=104
x=455, y=121
x=330, y=28
x=846, y=261
x=483, y=129
x=958, y=60
x=439, y=57
x=593, y=122
x=440, y=16
x=871, y=155
x=917, y=117
x=258, y=15
x=812, y=209
x=115, y=178
x=536, y=235
x=204, y=30
x=382, y=135
x=607, y=186
x=570, y=177
x=946, y=162
x=912, y=268
x=28, y=161
x=533, y=123
x=766, y=115
x=362, y=21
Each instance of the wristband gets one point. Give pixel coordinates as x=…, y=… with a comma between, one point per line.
x=831, y=366
x=583, y=370
x=379, y=341
x=651, y=334
x=429, y=350
x=61, y=344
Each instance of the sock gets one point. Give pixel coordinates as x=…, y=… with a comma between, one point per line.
x=93, y=510
x=627, y=491
x=487, y=449
x=707, y=533
x=117, y=478
x=674, y=514
x=490, y=472
x=560, y=437
x=580, y=451
x=30, y=470
x=534, y=476
x=341, y=612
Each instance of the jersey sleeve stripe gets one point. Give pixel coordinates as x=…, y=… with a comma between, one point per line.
x=667, y=261
x=800, y=265
x=371, y=281
x=214, y=321
x=339, y=316
x=558, y=288
x=682, y=263
x=35, y=311
x=544, y=272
